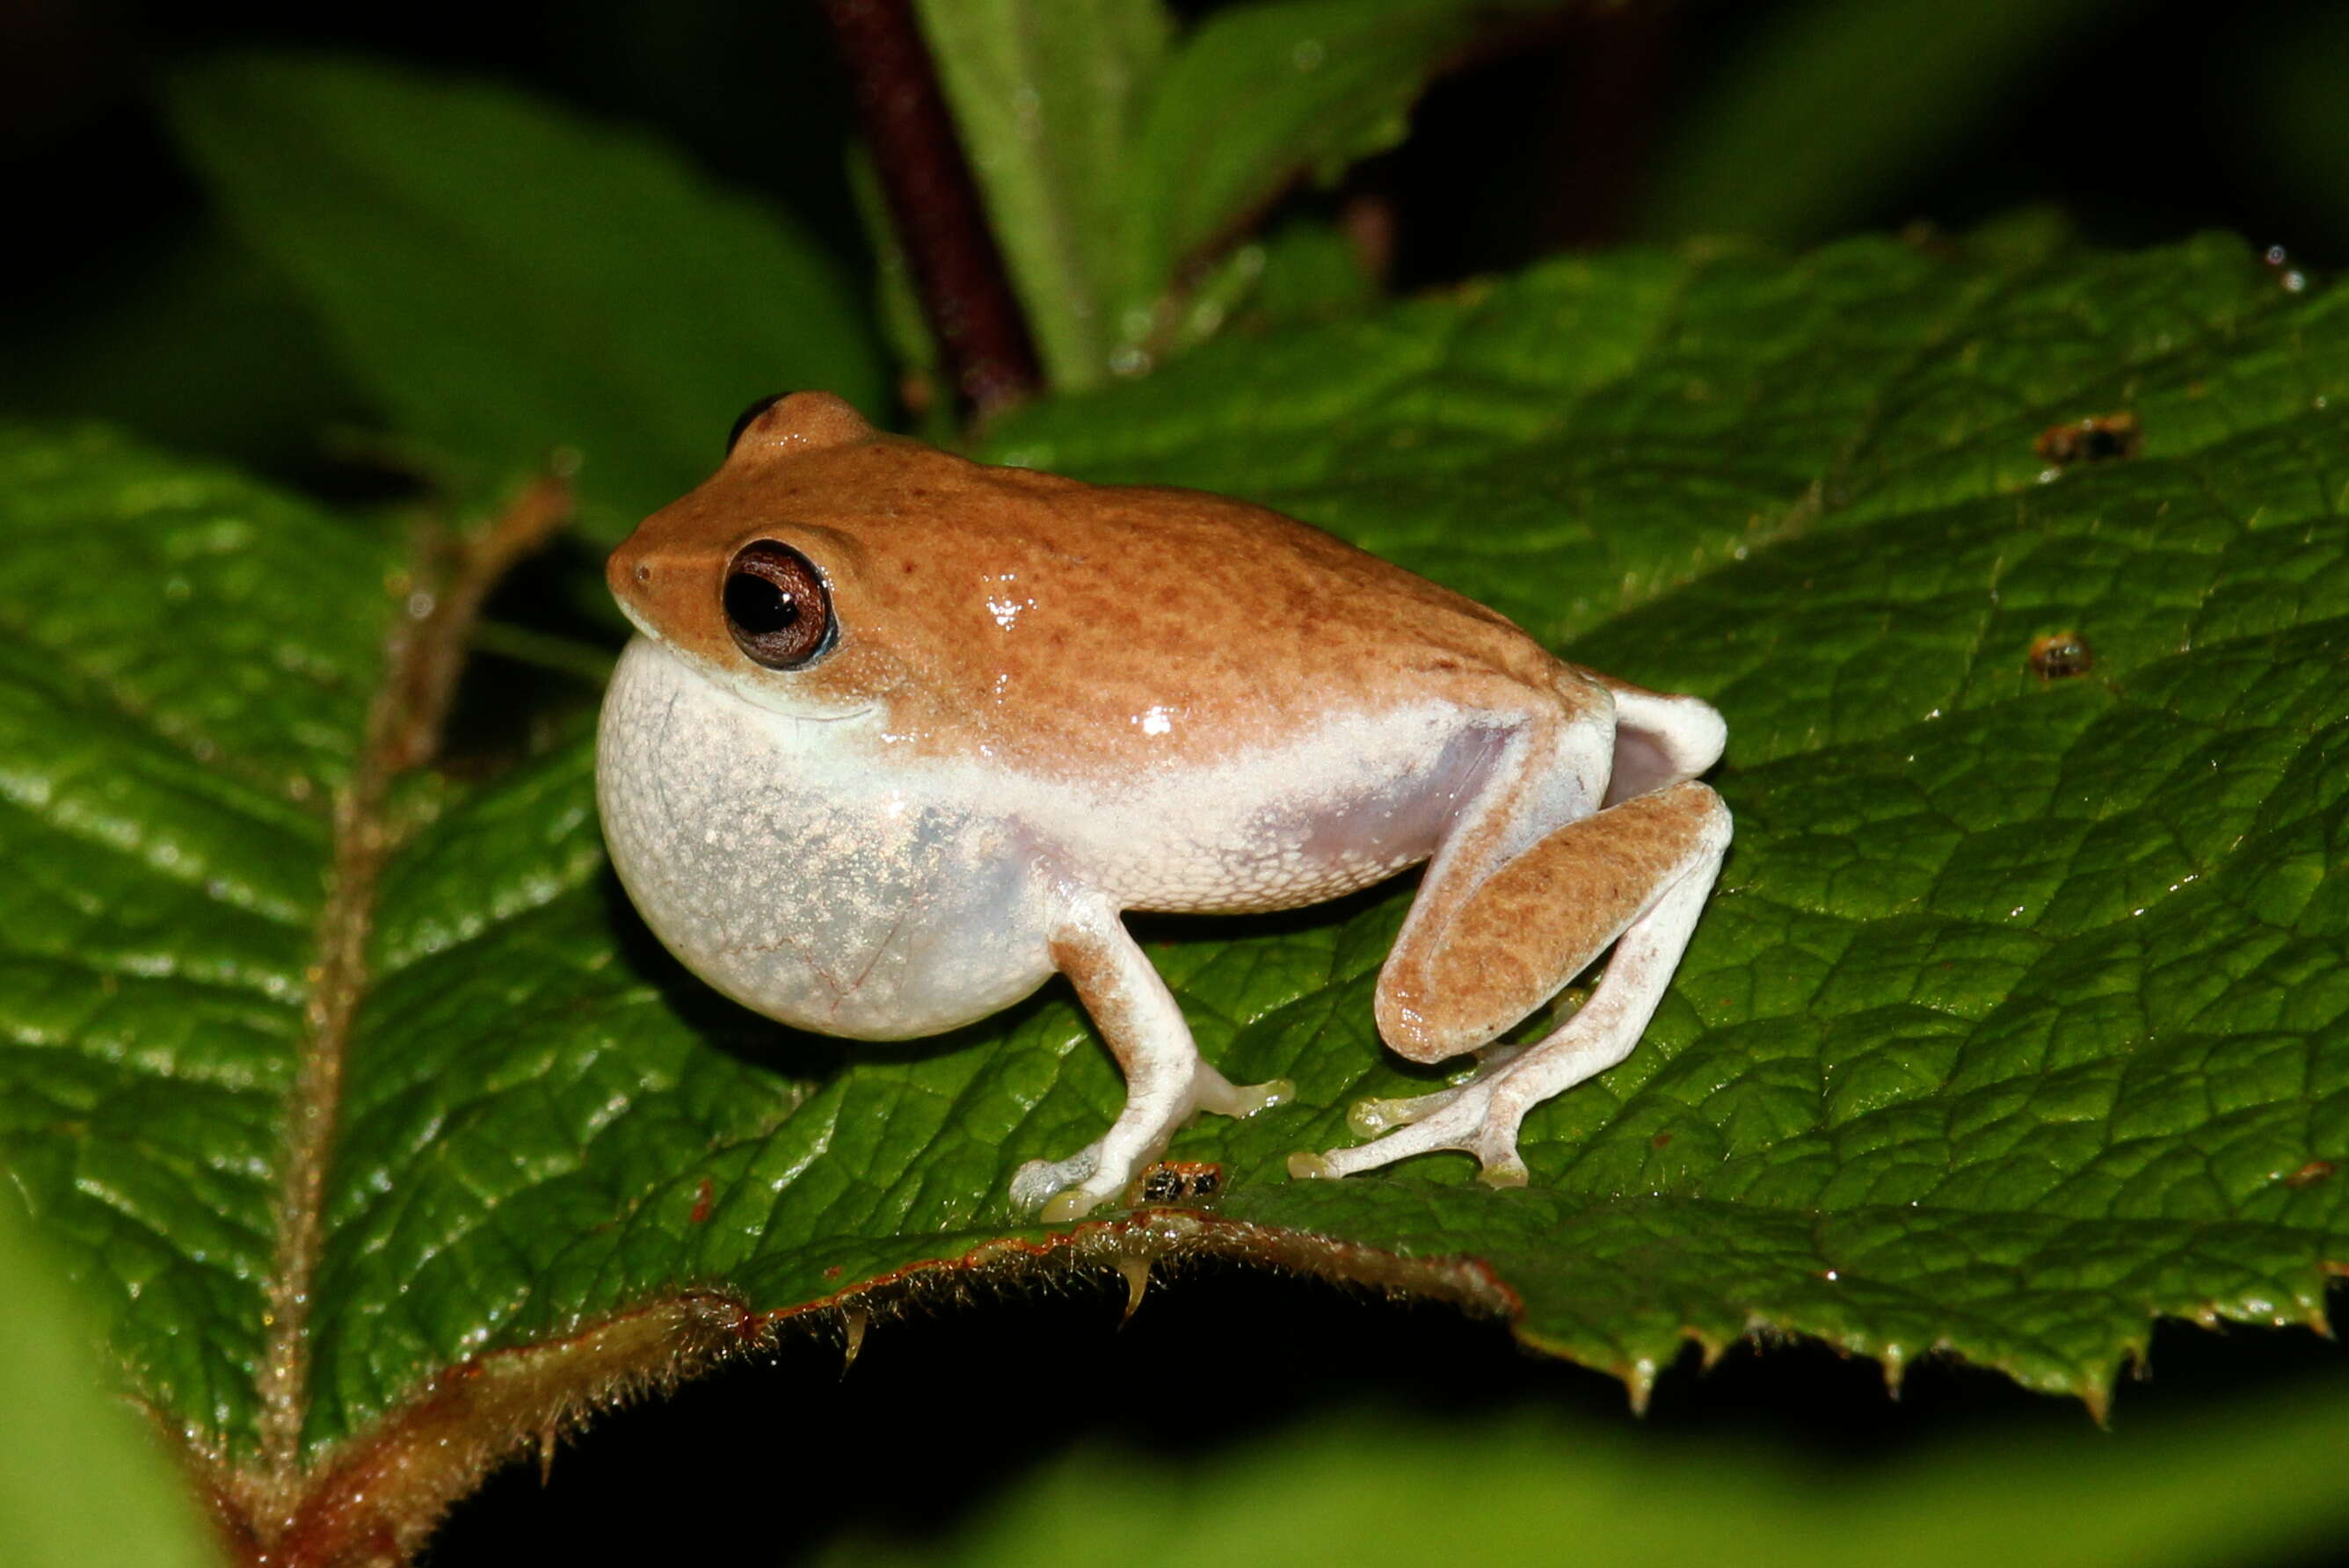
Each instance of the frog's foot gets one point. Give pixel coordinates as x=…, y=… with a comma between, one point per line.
x=1370, y=1118
x=1057, y=1187
x=1480, y=1117
x=1066, y=1190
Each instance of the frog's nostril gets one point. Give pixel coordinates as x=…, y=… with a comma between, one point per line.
x=644, y=572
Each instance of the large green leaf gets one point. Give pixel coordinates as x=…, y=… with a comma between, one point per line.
x=2017, y=1020
x=2020, y=1013
x=507, y=279
x=186, y=661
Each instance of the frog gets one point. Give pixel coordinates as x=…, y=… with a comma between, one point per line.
x=902, y=734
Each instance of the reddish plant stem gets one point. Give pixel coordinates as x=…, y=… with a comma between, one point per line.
x=965, y=289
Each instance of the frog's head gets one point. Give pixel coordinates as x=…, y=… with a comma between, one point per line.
x=755, y=578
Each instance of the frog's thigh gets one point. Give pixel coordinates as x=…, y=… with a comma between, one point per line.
x=1659, y=738
x=1499, y=945
x=1166, y=1080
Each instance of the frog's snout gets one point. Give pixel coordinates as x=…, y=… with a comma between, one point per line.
x=631, y=576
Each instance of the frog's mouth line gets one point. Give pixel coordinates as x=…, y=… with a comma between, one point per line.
x=728, y=683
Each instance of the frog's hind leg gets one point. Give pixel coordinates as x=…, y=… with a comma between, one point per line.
x=1502, y=934
x=1166, y=1080
x=1636, y=875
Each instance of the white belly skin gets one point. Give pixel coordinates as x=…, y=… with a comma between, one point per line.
x=1347, y=803
x=802, y=877
x=811, y=871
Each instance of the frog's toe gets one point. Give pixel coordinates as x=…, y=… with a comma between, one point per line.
x=1059, y=1190
x=1370, y=1118
x=1070, y=1204
x=1041, y=1184
x=1505, y=1171
x=1225, y=1098
x=1466, y=1118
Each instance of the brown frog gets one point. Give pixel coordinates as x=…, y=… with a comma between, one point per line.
x=904, y=735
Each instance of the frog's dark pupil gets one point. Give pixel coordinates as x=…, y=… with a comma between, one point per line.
x=757, y=605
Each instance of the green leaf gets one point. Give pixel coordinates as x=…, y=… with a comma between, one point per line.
x=507, y=279
x=2256, y=1483
x=94, y=1488
x=1046, y=94
x=1309, y=271
x=2017, y=1022
x=1261, y=96
x=1837, y=98
x=186, y=661
x=1113, y=165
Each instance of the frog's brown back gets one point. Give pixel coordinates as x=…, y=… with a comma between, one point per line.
x=1074, y=618
x=1064, y=624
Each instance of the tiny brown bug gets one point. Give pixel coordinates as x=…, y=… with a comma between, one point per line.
x=1178, y=1181
x=2099, y=438
x=2059, y=655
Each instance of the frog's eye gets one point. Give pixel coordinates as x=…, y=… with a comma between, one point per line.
x=743, y=422
x=777, y=607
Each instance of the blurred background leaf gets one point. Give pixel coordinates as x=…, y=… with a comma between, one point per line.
x=507, y=281
x=1047, y=93
x=1117, y=162
x=2288, y=85
x=203, y=344
x=1259, y=98
x=2256, y=1481
x=1833, y=103
x=86, y=1480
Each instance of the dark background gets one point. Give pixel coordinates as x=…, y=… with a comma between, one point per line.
x=2139, y=120
x=2141, y=123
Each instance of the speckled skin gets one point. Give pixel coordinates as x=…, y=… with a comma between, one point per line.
x=1049, y=702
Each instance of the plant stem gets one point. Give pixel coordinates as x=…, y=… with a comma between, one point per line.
x=965, y=292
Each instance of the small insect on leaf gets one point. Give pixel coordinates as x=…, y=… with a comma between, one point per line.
x=2098, y=439
x=1188, y=1181
x=2059, y=655
x=2310, y=1174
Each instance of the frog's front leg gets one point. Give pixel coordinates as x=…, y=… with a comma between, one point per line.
x=1496, y=933
x=1166, y=1080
